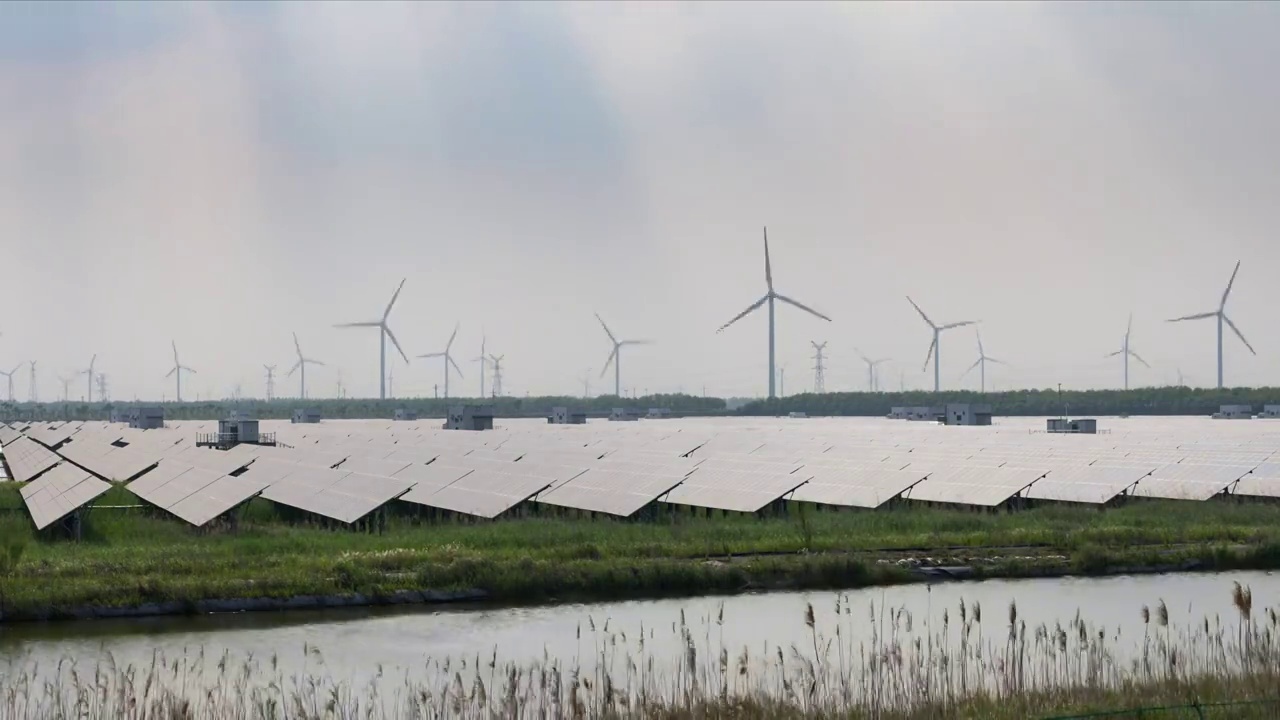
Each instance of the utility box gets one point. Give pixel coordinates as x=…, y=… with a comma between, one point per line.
x=624, y=415
x=659, y=414
x=470, y=417
x=796, y=415
x=968, y=414
x=305, y=416
x=1084, y=426
x=238, y=431
x=120, y=415
x=1270, y=411
x=146, y=418
x=405, y=415
x=1234, y=412
x=922, y=414
x=565, y=416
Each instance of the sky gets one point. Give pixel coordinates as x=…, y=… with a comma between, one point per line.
x=220, y=175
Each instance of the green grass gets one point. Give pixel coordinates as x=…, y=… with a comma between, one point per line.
x=130, y=556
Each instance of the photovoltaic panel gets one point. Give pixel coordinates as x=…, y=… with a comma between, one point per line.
x=216, y=498
x=736, y=490
x=978, y=486
x=1183, y=481
x=613, y=489
x=482, y=493
x=370, y=466
x=60, y=492
x=8, y=435
x=1089, y=484
x=27, y=459
x=854, y=486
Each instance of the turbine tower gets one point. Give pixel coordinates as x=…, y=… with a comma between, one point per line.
x=1221, y=315
x=819, y=367
x=448, y=360
x=873, y=371
x=34, y=395
x=384, y=332
x=497, y=374
x=176, y=372
x=615, y=356
x=303, y=362
x=9, y=376
x=770, y=297
x=66, y=388
x=935, y=347
x=981, y=364
x=271, y=381
x=1128, y=352
x=482, y=360
x=89, y=372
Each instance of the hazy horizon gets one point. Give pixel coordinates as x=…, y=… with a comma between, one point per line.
x=221, y=175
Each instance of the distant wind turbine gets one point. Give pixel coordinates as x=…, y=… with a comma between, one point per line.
x=384, y=332
x=482, y=360
x=615, y=357
x=66, y=387
x=1128, y=352
x=176, y=372
x=301, y=365
x=873, y=370
x=770, y=296
x=1221, y=315
x=935, y=347
x=9, y=377
x=89, y=372
x=448, y=359
x=981, y=364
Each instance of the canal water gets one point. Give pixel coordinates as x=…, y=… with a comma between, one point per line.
x=356, y=644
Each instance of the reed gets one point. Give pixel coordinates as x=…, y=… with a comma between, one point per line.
x=907, y=669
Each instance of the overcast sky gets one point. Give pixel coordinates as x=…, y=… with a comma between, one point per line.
x=222, y=174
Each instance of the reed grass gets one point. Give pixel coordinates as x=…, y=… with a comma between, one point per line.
x=963, y=664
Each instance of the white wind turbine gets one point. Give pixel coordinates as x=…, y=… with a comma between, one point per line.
x=9, y=377
x=981, y=364
x=770, y=296
x=935, y=347
x=1128, y=352
x=301, y=365
x=89, y=372
x=384, y=332
x=873, y=370
x=1221, y=315
x=615, y=356
x=176, y=372
x=448, y=359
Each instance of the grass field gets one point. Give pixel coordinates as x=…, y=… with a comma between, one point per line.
x=130, y=557
x=960, y=665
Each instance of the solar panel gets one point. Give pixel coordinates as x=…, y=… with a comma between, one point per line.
x=854, y=487
x=1179, y=481
x=60, y=492
x=978, y=486
x=27, y=459
x=371, y=466
x=482, y=493
x=733, y=489
x=1090, y=484
x=613, y=489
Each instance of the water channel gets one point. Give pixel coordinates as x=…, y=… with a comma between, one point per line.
x=355, y=644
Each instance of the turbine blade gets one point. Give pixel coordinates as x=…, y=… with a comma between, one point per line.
x=750, y=309
x=359, y=324
x=316, y=362
x=1239, y=334
x=609, y=362
x=430, y=355
x=395, y=342
x=454, y=364
x=296, y=345
x=175, y=352
x=294, y=369
x=802, y=306
x=917, y=307
x=929, y=357
x=1138, y=357
x=451, y=337
x=392, y=304
x=1198, y=316
x=981, y=352
x=193, y=372
x=993, y=360
x=962, y=323
x=1118, y=352
x=635, y=342
x=1129, y=328
x=169, y=375
x=1230, y=282
x=768, y=266
x=612, y=339
x=975, y=364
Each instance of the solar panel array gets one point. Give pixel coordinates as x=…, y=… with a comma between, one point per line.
x=59, y=492
x=345, y=470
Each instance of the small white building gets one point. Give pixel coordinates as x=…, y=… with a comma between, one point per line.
x=469, y=417
x=146, y=418
x=967, y=414
x=565, y=416
x=1234, y=412
x=659, y=413
x=1083, y=426
x=305, y=416
x=404, y=415
x=1270, y=411
x=624, y=415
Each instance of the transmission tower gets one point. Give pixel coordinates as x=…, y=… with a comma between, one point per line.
x=103, y=394
x=497, y=374
x=271, y=381
x=819, y=367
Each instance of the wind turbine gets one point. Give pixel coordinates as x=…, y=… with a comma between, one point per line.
x=1128, y=352
x=770, y=297
x=615, y=356
x=302, y=364
x=9, y=376
x=384, y=332
x=873, y=370
x=89, y=372
x=482, y=360
x=935, y=347
x=448, y=360
x=176, y=372
x=1221, y=315
x=981, y=364
x=66, y=387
